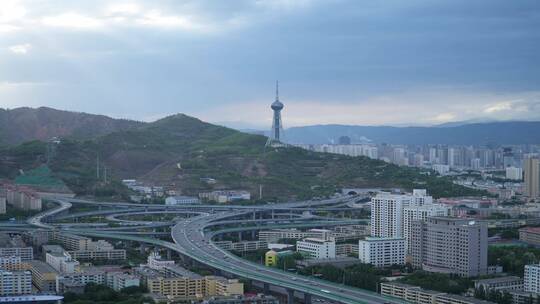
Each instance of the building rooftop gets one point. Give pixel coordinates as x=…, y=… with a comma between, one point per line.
x=374, y=238
x=42, y=267
x=465, y=299
x=182, y=272
x=530, y=229
x=499, y=280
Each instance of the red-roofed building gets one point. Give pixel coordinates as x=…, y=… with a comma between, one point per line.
x=530, y=235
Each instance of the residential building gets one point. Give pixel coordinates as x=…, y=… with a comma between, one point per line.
x=220, y=286
x=346, y=249
x=181, y=200
x=506, y=283
x=317, y=248
x=382, y=252
x=3, y=207
x=243, y=299
x=121, y=280
x=387, y=211
x=530, y=235
x=25, y=253
x=62, y=262
x=23, y=198
x=531, y=173
x=532, y=278
x=43, y=276
x=154, y=261
x=409, y=293
x=15, y=282
x=244, y=246
x=450, y=245
x=416, y=212
x=13, y=263
x=225, y=196
x=416, y=295
x=75, y=282
x=187, y=286
x=514, y=173
x=272, y=257
x=89, y=255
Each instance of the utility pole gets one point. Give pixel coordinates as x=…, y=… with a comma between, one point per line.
x=97, y=166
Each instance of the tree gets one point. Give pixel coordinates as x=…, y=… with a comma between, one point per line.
x=480, y=293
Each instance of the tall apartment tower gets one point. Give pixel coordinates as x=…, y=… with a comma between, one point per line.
x=417, y=212
x=450, y=245
x=387, y=212
x=531, y=171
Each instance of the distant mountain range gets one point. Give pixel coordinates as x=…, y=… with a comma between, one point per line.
x=498, y=133
x=179, y=150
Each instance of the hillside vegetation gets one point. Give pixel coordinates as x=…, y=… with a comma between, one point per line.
x=179, y=150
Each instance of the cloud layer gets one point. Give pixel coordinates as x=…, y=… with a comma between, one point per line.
x=339, y=61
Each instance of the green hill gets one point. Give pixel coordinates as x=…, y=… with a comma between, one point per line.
x=179, y=150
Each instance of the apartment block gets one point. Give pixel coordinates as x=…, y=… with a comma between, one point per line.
x=450, y=245
x=382, y=252
x=317, y=248
x=13, y=263
x=120, y=280
x=532, y=278
x=15, y=283
x=43, y=276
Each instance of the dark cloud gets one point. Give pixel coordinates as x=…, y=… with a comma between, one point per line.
x=196, y=56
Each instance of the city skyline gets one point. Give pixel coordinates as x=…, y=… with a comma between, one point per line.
x=362, y=63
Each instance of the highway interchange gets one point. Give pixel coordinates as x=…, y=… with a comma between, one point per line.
x=193, y=237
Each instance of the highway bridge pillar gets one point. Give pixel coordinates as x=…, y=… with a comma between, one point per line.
x=290, y=296
x=253, y=235
x=307, y=298
x=240, y=236
x=266, y=288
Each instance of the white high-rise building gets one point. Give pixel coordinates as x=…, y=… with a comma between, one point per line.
x=514, y=173
x=382, y=252
x=532, y=278
x=317, y=248
x=420, y=212
x=387, y=212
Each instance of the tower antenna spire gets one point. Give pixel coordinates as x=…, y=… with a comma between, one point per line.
x=277, y=89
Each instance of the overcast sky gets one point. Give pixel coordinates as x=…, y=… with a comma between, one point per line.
x=338, y=61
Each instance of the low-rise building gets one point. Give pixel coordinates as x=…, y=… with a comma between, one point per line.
x=181, y=200
x=346, y=249
x=120, y=280
x=244, y=299
x=317, y=248
x=244, y=246
x=154, y=261
x=530, y=235
x=75, y=282
x=225, y=196
x=417, y=295
x=382, y=252
x=272, y=257
x=89, y=255
x=500, y=283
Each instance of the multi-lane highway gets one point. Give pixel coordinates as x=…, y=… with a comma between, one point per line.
x=193, y=238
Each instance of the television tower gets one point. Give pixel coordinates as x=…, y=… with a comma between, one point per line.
x=277, y=127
